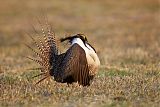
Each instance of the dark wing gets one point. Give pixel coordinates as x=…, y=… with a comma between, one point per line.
x=75, y=65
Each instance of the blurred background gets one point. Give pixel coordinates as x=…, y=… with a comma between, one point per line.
x=123, y=32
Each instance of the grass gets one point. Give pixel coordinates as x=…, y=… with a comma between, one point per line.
x=125, y=35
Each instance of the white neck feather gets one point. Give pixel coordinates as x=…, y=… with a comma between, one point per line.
x=79, y=42
x=91, y=55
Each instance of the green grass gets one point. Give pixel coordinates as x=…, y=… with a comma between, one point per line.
x=124, y=33
x=114, y=72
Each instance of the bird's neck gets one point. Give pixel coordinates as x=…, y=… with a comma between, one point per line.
x=85, y=46
x=91, y=55
x=79, y=42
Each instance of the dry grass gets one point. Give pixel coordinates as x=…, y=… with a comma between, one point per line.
x=125, y=33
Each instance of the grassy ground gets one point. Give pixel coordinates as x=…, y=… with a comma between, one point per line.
x=125, y=33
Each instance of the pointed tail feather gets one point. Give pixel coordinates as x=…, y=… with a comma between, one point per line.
x=48, y=50
x=42, y=79
x=41, y=49
x=49, y=38
x=35, y=60
x=39, y=75
x=36, y=53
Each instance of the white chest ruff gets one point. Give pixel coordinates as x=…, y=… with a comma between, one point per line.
x=92, y=59
x=91, y=55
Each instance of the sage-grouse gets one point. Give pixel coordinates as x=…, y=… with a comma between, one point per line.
x=78, y=64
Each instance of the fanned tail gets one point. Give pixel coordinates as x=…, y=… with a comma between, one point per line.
x=47, y=50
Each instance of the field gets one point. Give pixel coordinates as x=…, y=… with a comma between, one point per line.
x=126, y=35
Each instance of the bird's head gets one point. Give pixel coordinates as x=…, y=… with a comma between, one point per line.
x=82, y=37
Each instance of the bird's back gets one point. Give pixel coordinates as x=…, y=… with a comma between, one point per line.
x=72, y=66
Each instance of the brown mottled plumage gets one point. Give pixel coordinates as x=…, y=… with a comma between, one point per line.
x=68, y=67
